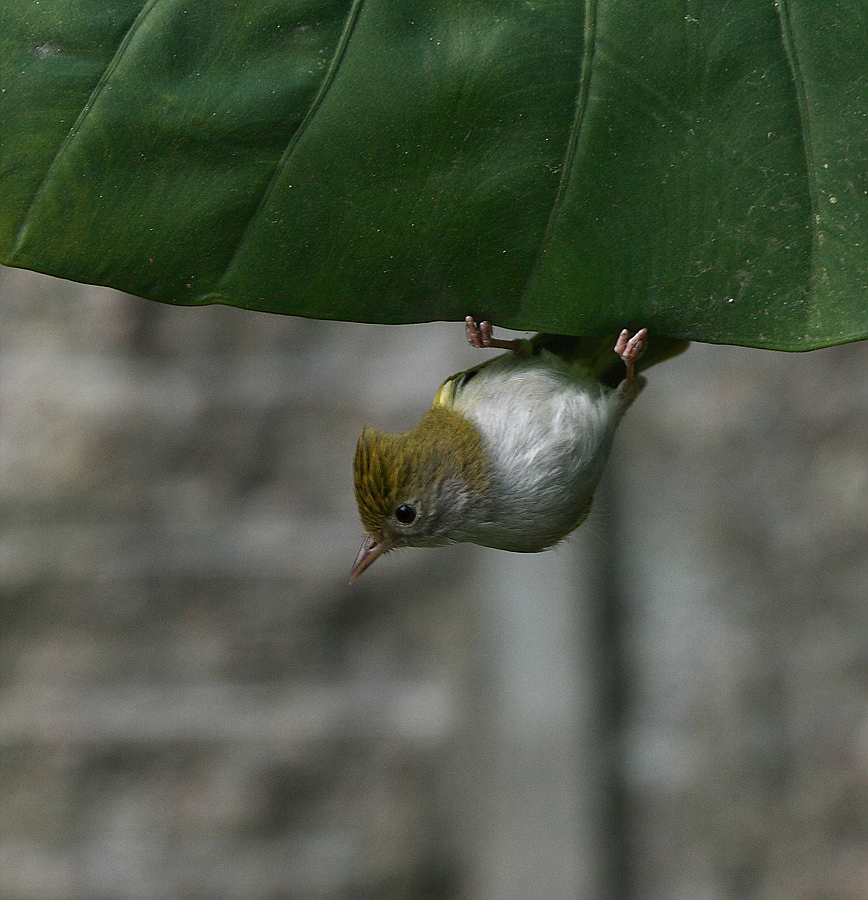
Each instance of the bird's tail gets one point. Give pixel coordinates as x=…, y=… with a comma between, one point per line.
x=597, y=358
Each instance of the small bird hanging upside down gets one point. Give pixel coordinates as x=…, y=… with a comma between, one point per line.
x=511, y=451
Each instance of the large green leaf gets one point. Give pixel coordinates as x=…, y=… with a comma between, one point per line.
x=697, y=166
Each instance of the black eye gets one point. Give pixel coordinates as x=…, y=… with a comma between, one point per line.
x=405, y=513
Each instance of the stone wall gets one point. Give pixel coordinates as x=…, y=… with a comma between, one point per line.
x=194, y=704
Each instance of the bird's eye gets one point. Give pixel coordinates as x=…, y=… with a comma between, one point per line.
x=405, y=513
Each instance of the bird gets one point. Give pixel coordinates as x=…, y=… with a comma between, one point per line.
x=511, y=450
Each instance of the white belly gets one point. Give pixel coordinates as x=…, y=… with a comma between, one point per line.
x=548, y=433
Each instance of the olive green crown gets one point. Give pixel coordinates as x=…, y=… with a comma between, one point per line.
x=390, y=469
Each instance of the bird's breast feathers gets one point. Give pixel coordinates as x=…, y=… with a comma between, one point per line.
x=547, y=432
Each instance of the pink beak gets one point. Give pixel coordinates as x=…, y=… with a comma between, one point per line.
x=371, y=549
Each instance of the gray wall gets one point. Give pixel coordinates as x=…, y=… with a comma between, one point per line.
x=193, y=703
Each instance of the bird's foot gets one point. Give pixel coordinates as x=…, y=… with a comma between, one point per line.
x=630, y=348
x=479, y=335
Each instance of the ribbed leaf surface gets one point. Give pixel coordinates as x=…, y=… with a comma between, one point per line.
x=697, y=166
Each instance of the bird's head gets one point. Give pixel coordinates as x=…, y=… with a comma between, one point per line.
x=423, y=488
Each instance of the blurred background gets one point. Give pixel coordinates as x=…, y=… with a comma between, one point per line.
x=194, y=703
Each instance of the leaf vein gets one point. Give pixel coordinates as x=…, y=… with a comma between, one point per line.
x=75, y=128
x=789, y=44
x=316, y=103
x=571, y=149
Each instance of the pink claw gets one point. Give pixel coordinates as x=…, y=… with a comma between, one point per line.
x=630, y=349
x=479, y=335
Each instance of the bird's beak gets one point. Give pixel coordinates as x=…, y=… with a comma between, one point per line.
x=371, y=549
